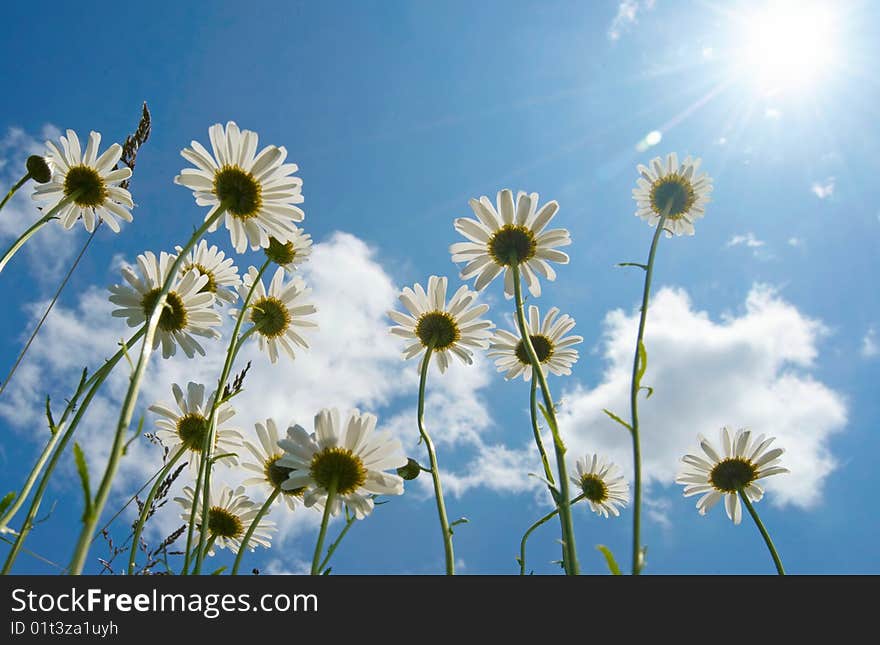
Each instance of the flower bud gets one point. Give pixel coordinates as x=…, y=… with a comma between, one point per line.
x=39, y=169
x=410, y=471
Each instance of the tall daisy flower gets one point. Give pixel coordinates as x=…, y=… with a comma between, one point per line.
x=552, y=346
x=279, y=313
x=258, y=190
x=602, y=484
x=269, y=473
x=453, y=328
x=347, y=455
x=229, y=515
x=292, y=253
x=222, y=273
x=738, y=467
x=89, y=179
x=507, y=235
x=678, y=188
x=187, y=425
x=188, y=310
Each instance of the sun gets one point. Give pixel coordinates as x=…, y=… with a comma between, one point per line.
x=790, y=45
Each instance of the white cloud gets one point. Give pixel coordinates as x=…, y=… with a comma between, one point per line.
x=870, y=348
x=627, y=16
x=746, y=370
x=772, y=113
x=796, y=241
x=49, y=251
x=823, y=190
x=748, y=240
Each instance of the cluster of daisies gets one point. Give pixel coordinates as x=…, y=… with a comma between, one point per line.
x=344, y=462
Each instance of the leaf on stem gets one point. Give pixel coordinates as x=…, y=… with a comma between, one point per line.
x=609, y=559
x=649, y=389
x=643, y=363
x=643, y=267
x=617, y=418
x=460, y=520
x=83, y=469
x=7, y=500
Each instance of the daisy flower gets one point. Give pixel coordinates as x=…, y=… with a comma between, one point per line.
x=269, y=473
x=187, y=424
x=91, y=178
x=292, y=253
x=278, y=313
x=349, y=454
x=742, y=463
x=453, y=328
x=511, y=234
x=188, y=310
x=258, y=190
x=602, y=484
x=675, y=187
x=221, y=271
x=552, y=346
x=229, y=516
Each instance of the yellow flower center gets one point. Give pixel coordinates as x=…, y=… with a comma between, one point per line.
x=731, y=474
x=277, y=475
x=673, y=192
x=87, y=184
x=222, y=523
x=173, y=317
x=437, y=327
x=239, y=191
x=341, y=465
x=594, y=488
x=543, y=349
x=511, y=244
x=280, y=254
x=192, y=429
x=270, y=316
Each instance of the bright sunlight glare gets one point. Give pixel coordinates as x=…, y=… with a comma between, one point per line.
x=790, y=45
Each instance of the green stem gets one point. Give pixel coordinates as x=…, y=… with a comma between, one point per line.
x=145, y=509
x=569, y=548
x=21, y=182
x=319, y=545
x=549, y=516
x=28, y=234
x=634, y=401
x=91, y=519
x=764, y=533
x=536, y=428
x=435, y=468
x=349, y=522
x=253, y=527
x=95, y=382
x=206, y=464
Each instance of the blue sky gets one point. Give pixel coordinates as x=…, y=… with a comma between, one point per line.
x=398, y=113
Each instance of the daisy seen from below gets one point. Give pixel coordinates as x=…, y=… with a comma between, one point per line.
x=269, y=473
x=186, y=425
x=292, y=253
x=88, y=180
x=602, y=484
x=507, y=235
x=188, y=310
x=346, y=456
x=553, y=348
x=449, y=329
x=223, y=280
x=257, y=190
x=666, y=186
x=738, y=467
x=230, y=514
x=279, y=314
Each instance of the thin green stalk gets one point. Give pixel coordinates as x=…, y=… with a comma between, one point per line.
x=28, y=234
x=549, y=516
x=56, y=436
x=204, y=480
x=253, y=527
x=536, y=428
x=569, y=548
x=634, y=400
x=319, y=545
x=435, y=468
x=145, y=509
x=96, y=381
x=91, y=519
x=764, y=533
x=350, y=519
x=21, y=182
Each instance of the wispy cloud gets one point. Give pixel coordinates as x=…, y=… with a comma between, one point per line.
x=796, y=241
x=627, y=16
x=823, y=190
x=870, y=348
x=749, y=240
